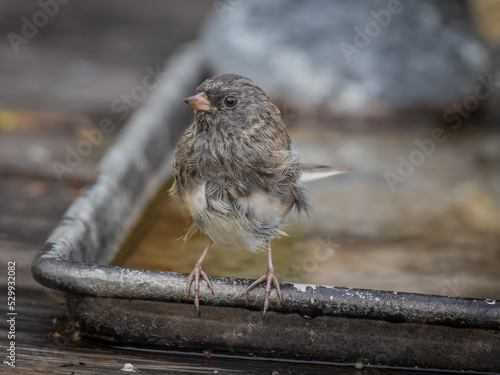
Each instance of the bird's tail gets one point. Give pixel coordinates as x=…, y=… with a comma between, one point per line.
x=316, y=172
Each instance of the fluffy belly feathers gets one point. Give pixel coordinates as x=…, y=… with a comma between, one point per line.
x=245, y=222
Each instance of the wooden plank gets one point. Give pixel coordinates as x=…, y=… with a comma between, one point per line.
x=53, y=146
x=90, y=53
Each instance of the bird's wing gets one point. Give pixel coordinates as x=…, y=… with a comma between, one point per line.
x=316, y=172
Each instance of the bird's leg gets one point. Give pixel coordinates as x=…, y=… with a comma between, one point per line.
x=195, y=277
x=270, y=280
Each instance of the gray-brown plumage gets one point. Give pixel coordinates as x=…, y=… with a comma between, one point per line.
x=236, y=171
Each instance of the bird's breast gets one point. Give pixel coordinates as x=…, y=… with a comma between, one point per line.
x=196, y=201
x=236, y=221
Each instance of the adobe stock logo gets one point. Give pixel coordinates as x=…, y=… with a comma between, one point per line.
x=459, y=111
x=416, y=158
x=48, y=9
x=426, y=147
x=363, y=38
x=122, y=107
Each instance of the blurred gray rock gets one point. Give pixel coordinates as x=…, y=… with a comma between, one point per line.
x=362, y=58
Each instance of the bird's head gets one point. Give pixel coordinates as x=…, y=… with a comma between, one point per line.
x=230, y=100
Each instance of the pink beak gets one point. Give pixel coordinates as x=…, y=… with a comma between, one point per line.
x=199, y=102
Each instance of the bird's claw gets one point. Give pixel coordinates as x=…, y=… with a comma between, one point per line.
x=194, y=277
x=271, y=281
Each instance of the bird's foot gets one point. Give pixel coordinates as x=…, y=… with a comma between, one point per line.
x=194, y=277
x=271, y=281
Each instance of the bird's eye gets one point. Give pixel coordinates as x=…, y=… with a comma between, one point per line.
x=230, y=101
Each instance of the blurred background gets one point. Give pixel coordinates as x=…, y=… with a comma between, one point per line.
x=405, y=93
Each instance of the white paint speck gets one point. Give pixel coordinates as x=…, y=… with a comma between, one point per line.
x=129, y=367
x=303, y=287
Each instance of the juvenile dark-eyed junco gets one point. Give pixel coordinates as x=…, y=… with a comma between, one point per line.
x=238, y=173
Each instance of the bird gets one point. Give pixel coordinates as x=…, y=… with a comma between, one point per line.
x=238, y=173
